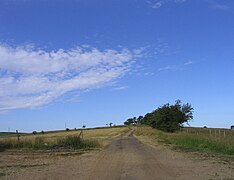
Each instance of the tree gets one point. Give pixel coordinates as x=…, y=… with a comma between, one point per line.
x=139, y=119
x=134, y=120
x=170, y=118
x=83, y=126
x=110, y=124
x=147, y=119
x=129, y=121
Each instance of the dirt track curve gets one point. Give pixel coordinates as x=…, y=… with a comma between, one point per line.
x=125, y=158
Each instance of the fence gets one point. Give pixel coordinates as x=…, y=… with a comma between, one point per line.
x=214, y=133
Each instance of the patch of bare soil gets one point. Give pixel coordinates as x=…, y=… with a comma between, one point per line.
x=124, y=158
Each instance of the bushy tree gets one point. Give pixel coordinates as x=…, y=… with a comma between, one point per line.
x=133, y=121
x=139, y=119
x=129, y=121
x=147, y=119
x=170, y=118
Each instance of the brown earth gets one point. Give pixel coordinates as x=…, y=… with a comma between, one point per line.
x=124, y=158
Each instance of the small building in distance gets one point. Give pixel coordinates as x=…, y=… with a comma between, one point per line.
x=232, y=127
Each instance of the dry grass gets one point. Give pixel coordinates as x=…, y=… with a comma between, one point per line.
x=36, y=141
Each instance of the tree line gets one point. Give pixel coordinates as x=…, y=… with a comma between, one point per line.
x=167, y=117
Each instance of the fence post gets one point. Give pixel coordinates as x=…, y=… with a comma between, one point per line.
x=224, y=135
x=215, y=133
x=18, y=136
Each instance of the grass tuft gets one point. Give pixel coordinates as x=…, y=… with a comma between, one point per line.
x=75, y=142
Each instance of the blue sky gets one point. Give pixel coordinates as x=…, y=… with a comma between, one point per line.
x=98, y=61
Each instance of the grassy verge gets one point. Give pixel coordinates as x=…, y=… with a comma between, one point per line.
x=190, y=142
x=39, y=143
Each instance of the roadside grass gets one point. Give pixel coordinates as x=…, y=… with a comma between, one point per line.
x=75, y=142
x=91, y=138
x=68, y=142
x=190, y=142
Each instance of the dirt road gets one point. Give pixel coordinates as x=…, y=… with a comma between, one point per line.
x=128, y=159
x=125, y=158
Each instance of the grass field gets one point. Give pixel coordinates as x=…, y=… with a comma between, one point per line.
x=73, y=138
x=193, y=139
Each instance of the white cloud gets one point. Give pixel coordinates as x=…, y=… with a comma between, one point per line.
x=170, y=67
x=155, y=4
x=220, y=6
x=120, y=88
x=175, y=67
x=32, y=77
x=188, y=63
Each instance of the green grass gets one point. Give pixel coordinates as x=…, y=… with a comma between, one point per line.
x=192, y=142
x=75, y=142
x=200, y=143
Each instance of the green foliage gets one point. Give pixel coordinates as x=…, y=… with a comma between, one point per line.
x=134, y=121
x=168, y=117
x=129, y=121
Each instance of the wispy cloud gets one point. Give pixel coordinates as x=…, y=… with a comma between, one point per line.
x=32, y=77
x=155, y=4
x=175, y=67
x=188, y=63
x=119, y=88
x=220, y=6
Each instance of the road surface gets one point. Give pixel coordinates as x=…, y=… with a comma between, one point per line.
x=125, y=158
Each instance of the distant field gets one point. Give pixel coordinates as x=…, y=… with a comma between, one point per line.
x=194, y=139
x=100, y=135
x=9, y=134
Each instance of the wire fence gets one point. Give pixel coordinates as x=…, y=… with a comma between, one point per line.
x=213, y=133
